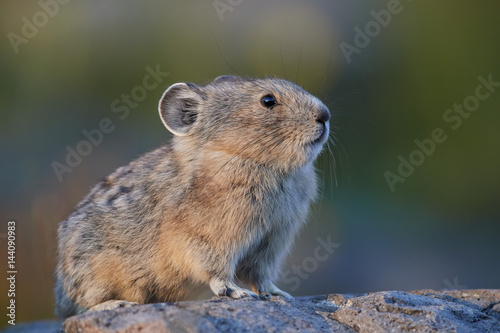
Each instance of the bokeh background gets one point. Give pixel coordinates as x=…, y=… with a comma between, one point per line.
x=439, y=229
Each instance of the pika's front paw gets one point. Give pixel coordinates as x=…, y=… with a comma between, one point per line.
x=226, y=288
x=282, y=293
x=240, y=293
x=113, y=304
x=268, y=289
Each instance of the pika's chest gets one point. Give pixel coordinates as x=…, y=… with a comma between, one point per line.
x=269, y=201
x=246, y=207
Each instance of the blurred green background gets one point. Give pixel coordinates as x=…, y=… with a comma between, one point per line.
x=439, y=229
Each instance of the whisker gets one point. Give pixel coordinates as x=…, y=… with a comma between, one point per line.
x=298, y=63
x=281, y=56
x=333, y=167
x=343, y=97
x=327, y=68
x=222, y=54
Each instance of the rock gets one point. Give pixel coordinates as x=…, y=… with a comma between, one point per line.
x=388, y=311
x=422, y=311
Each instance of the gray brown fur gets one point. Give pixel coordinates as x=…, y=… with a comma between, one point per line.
x=222, y=201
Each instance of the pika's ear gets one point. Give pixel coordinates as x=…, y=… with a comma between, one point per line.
x=226, y=78
x=179, y=107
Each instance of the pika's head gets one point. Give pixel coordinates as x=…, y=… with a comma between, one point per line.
x=269, y=121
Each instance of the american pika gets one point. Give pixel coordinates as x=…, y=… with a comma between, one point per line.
x=221, y=202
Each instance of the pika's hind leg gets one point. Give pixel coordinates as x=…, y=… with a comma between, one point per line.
x=227, y=288
x=113, y=304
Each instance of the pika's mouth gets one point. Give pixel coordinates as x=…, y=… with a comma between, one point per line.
x=322, y=132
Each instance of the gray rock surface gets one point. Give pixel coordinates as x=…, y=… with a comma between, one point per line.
x=388, y=311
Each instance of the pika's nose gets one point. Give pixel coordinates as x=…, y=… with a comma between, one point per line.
x=323, y=115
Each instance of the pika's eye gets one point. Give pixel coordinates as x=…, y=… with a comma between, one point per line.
x=268, y=101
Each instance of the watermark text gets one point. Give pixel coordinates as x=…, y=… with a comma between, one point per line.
x=94, y=137
x=299, y=273
x=453, y=118
x=31, y=27
x=11, y=272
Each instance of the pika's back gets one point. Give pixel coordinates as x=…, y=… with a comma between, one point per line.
x=223, y=199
